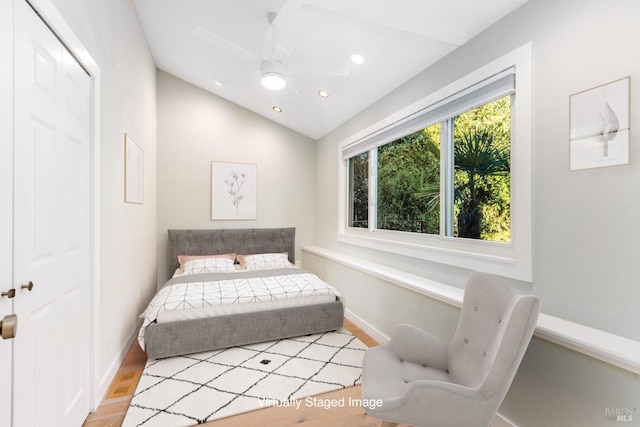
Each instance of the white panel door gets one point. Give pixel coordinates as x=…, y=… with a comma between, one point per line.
x=51, y=228
x=6, y=199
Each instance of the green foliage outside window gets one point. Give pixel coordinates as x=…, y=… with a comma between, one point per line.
x=408, y=177
x=482, y=180
x=359, y=191
x=409, y=183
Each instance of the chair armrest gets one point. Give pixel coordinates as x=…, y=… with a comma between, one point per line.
x=415, y=345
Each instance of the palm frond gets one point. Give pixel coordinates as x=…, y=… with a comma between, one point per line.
x=431, y=192
x=478, y=151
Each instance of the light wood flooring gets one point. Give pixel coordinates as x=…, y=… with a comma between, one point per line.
x=113, y=408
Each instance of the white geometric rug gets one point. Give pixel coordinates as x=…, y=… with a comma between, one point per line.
x=197, y=388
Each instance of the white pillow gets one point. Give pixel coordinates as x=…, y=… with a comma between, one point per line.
x=183, y=259
x=209, y=265
x=267, y=261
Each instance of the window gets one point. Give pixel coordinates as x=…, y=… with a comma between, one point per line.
x=408, y=183
x=359, y=191
x=468, y=145
x=442, y=182
x=481, y=172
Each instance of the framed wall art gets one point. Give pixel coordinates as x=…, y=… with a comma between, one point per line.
x=133, y=171
x=599, y=126
x=233, y=191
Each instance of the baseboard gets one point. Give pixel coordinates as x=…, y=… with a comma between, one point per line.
x=112, y=370
x=500, y=421
x=366, y=327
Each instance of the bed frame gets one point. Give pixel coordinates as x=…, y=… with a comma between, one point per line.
x=192, y=336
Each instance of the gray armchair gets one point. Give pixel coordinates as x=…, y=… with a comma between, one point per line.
x=420, y=380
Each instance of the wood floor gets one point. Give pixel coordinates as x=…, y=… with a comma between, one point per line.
x=113, y=408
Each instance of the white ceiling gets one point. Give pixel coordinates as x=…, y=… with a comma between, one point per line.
x=204, y=41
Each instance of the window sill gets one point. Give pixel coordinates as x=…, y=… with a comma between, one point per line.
x=604, y=346
x=494, y=258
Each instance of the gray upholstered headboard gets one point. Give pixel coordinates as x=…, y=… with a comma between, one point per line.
x=221, y=241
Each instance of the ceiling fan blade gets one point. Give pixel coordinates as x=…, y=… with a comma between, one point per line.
x=229, y=79
x=290, y=83
x=223, y=43
x=311, y=69
x=280, y=38
x=279, y=54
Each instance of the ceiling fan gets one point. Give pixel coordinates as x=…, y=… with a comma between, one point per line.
x=280, y=40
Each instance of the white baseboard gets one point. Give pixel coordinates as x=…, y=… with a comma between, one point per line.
x=112, y=370
x=500, y=421
x=370, y=330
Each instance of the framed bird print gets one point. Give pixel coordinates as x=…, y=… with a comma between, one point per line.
x=599, y=126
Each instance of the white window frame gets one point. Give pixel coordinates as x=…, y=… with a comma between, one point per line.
x=513, y=259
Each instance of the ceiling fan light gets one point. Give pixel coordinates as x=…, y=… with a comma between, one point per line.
x=357, y=59
x=274, y=81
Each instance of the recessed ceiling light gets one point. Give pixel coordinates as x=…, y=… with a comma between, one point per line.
x=357, y=59
x=323, y=93
x=218, y=83
x=276, y=109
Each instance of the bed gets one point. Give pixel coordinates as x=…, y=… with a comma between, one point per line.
x=187, y=326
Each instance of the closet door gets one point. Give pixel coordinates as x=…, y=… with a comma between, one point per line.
x=51, y=228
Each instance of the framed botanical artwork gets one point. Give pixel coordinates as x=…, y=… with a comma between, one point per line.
x=133, y=171
x=599, y=126
x=233, y=191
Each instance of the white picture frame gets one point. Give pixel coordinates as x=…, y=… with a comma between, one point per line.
x=233, y=191
x=133, y=171
x=599, y=126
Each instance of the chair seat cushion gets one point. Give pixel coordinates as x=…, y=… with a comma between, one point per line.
x=386, y=376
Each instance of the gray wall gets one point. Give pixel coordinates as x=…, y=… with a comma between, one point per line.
x=585, y=230
x=195, y=128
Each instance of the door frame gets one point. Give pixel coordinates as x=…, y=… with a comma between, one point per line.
x=6, y=200
x=59, y=26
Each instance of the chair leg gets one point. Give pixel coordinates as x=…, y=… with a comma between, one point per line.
x=388, y=424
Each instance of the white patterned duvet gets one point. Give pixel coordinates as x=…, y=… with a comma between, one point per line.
x=215, y=294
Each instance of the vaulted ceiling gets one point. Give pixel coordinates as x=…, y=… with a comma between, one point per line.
x=222, y=45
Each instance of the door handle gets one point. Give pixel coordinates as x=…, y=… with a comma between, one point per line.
x=9, y=326
x=28, y=286
x=10, y=293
